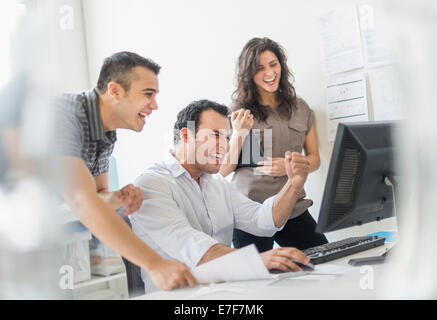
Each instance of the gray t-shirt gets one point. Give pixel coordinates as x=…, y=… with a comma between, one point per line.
x=79, y=131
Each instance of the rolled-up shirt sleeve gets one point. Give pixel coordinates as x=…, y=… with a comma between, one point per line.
x=161, y=220
x=251, y=216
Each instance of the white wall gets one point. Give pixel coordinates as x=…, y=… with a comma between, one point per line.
x=62, y=43
x=197, y=43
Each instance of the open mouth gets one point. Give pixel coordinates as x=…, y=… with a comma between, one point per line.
x=217, y=157
x=270, y=81
x=143, y=115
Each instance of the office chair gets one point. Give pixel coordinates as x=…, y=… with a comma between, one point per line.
x=135, y=286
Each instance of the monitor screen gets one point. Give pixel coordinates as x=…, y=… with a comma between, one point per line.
x=355, y=190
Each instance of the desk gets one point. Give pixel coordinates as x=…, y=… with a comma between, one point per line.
x=347, y=286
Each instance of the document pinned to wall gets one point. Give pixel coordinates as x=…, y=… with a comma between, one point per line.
x=346, y=101
x=340, y=40
x=375, y=54
x=386, y=95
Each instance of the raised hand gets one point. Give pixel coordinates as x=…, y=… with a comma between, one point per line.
x=242, y=121
x=297, y=168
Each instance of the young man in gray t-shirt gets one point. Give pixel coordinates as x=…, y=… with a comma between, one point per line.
x=85, y=137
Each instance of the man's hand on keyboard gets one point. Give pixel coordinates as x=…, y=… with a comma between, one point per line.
x=281, y=258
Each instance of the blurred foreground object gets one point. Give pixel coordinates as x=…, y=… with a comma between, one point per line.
x=410, y=28
x=29, y=235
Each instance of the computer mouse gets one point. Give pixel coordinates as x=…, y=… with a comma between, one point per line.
x=307, y=267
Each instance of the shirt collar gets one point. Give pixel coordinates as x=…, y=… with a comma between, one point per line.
x=95, y=122
x=176, y=168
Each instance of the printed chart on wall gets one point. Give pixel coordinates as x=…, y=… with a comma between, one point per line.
x=346, y=101
x=340, y=40
x=374, y=52
x=386, y=95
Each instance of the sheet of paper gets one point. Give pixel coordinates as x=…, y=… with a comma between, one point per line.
x=205, y=291
x=241, y=284
x=241, y=264
x=346, y=101
x=340, y=40
x=235, y=287
x=375, y=54
x=291, y=282
x=317, y=277
x=321, y=272
x=386, y=95
x=291, y=274
x=331, y=269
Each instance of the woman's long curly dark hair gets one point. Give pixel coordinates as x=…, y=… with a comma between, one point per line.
x=246, y=95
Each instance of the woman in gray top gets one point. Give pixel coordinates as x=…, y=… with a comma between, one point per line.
x=266, y=100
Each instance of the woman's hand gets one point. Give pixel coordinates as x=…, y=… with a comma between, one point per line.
x=242, y=122
x=274, y=167
x=295, y=165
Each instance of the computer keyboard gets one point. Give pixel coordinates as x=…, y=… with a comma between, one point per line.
x=342, y=248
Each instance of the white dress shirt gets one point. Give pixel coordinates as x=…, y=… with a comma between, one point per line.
x=181, y=219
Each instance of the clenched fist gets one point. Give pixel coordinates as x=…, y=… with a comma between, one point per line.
x=297, y=167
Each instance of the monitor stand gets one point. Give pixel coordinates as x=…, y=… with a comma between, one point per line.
x=393, y=182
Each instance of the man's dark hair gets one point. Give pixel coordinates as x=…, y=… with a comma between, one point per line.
x=192, y=112
x=118, y=68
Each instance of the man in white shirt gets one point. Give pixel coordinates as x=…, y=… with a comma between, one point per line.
x=189, y=210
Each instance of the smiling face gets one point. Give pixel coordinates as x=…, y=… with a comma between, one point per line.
x=269, y=73
x=139, y=102
x=212, y=141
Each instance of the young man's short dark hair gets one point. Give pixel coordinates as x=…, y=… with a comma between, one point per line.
x=192, y=112
x=118, y=68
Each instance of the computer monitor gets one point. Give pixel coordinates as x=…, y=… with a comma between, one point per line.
x=356, y=189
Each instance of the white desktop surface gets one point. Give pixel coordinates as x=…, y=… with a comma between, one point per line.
x=347, y=286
